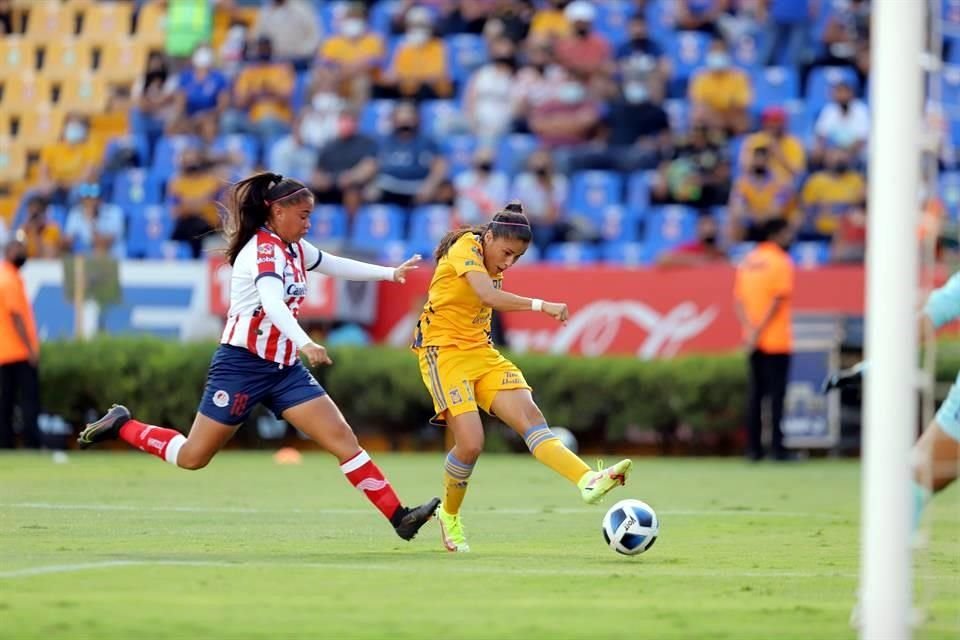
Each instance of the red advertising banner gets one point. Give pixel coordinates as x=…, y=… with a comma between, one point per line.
x=645, y=312
x=319, y=303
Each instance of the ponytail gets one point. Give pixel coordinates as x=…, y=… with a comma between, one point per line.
x=248, y=206
x=508, y=223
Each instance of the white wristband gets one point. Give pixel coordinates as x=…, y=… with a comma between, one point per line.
x=536, y=304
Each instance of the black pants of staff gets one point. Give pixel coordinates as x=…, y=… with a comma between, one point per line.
x=768, y=382
x=19, y=385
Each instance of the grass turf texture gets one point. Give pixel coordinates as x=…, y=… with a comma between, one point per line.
x=249, y=549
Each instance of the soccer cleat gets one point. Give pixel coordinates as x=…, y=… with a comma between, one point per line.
x=415, y=518
x=106, y=428
x=596, y=484
x=451, y=532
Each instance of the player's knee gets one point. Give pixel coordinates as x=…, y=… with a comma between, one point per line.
x=468, y=452
x=192, y=460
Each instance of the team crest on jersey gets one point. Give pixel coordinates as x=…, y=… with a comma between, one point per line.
x=221, y=398
x=455, y=396
x=265, y=249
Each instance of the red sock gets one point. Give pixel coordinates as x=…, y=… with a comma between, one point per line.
x=163, y=443
x=366, y=476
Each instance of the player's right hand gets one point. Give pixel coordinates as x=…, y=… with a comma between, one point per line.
x=556, y=310
x=316, y=354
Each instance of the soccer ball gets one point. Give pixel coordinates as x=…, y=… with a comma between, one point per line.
x=630, y=527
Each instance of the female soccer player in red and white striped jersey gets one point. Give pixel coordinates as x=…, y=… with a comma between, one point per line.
x=258, y=357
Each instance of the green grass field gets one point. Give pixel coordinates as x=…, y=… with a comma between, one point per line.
x=123, y=546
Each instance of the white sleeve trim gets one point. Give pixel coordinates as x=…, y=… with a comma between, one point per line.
x=348, y=269
x=271, y=299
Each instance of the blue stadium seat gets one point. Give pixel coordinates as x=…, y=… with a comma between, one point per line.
x=148, y=230
x=167, y=153
x=427, y=226
x=465, y=52
x=820, y=81
x=612, y=19
x=952, y=44
x=678, y=110
x=299, y=97
x=774, y=86
x=668, y=227
x=950, y=91
x=328, y=224
x=615, y=223
x=739, y=251
x=661, y=17
x=133, y=141
x=572, y=253
x=950, y=14
x=638, y=191
x=808, y=255
x=748, y=48
x=134, y=188
x=392, y=252
x=438, y=117
x=375, y=117
x=950, y=193
x=459, y=149
x=512, y=152
x=628, y=254
x=594, y=190
x=238, y=143
x=687, y=50
x=381, y=13
x=377, y=224
x=800, y=119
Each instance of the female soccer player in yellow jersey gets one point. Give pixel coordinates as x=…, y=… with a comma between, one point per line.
x=464, y=373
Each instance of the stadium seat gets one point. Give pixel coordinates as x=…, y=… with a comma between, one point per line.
x=612, y=19
x=40, y=126
x=748, y=48
x=392, y=252
x=151, y=25
x=439, y=117
x=240, y=144
x=299, y=98
x=465, y=52
x=950, y=193
x=628, y=254
x=105, y=22
x=17, y=55
x=687, y=50
x=328, y=225
x=375, y=118
x=739, y=251
x=137, y=143
x=167, y=153
x=594, y=190
x=668, y=227
x=27, y=91
x=135, y=188
x=85, y=94
x=661, y=17
x=122, y=61
x=808, y=255
x=13, y=161
x=381, y=14
x=427, y=226
x=678, y=110
x=819, y=84
x=376, y=224
x=48, y=22
x=572, y=253
x=459, y=150
x=950, y=91
x=512, y=152
x=612, y=223
x=148, y=229
x=638, y=191
x=774, y=86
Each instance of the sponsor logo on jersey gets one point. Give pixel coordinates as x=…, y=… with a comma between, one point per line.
x=263, y=259
x=511, y=377
x=265, y=249
x=221, y=398
x=296, y=290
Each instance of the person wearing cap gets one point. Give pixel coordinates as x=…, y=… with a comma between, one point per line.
x=93, y=226
x=584, y=52
x=721, y=93
x=844, y=122
x=203, y=94
x=788, y=157
x=419, y=68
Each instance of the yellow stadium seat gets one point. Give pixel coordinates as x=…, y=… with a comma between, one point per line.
x=67, y=58
x=85, y=94
x=39, y=127
x=17, y=55
x=105, y=22
x=110, y=124
x=152, y=25
x=49, y=21
x=122, y=61
x=26, y=91
x=13, y=161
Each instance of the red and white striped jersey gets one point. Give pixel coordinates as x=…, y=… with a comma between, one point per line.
x=267, y=256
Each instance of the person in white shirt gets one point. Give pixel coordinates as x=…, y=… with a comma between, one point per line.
x=843, y=123
x=258, y=360
x=488, y=103
x=291, y=26
x=94, y=227
x=480, y=190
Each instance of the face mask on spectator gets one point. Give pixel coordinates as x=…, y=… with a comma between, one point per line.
x=18, y=260
x=717, y=60
x=571, y=92
x=418, y=36
x=405, y=128
x=484, y=166
x=635, y=92
x=202, y=58
x=542, y=172
x=75, y=132
x=508, y=61
x=710, y=239
x=582, y=29
x=841, y=166
x=352, y=27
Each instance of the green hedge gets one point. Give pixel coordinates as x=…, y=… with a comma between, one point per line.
x=381, y=388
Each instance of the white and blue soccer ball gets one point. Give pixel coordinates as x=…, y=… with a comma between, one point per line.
x=630, y=527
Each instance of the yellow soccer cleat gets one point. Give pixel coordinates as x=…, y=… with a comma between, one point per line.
x=451, y=532
x=596, y=484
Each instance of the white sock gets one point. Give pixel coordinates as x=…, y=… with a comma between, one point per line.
x=173, y=449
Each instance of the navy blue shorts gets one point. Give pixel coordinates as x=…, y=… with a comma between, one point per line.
x=238, y=380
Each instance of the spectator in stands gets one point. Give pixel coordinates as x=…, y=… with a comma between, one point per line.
x=721, y=94
x=233, y=49
x=543, y=192
x=759, y=195
x=93, y=226
x=849, y=241
x=155, y=98
x=510, y=20
x=550, y=21
x=292, y=157
x=346, y=167
x=261, y=96
x=637, y=132
x=411, y=165
x=585, y=52
x=487, y=102
x=203, y=94
x=355, y=54
x=788, y=31
x=291, y=27
x=566, y=120
x=843, y=123
x=481, y=191
x=788, y=157
x=320, y=117
x=697, y=174
x=74, y=159
x=700, y=15
x=193, y=194
x=830, y=195
x=19, y=353
x=703, y=250
x=844, y=41
x=467, y=16
x=40, y=233
x=419, y=69
x=536, y=81
x=641, y=46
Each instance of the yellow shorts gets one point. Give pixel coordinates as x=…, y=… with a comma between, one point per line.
x=463, y=380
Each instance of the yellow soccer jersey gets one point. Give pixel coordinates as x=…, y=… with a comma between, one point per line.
x=453, y=314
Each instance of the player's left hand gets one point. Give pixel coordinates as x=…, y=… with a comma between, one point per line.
x=400, y=273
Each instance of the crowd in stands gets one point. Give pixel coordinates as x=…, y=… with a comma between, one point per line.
x=645, y=132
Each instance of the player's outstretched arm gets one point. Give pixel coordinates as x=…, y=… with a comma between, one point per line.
x=500, y=300
x=338, y=267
